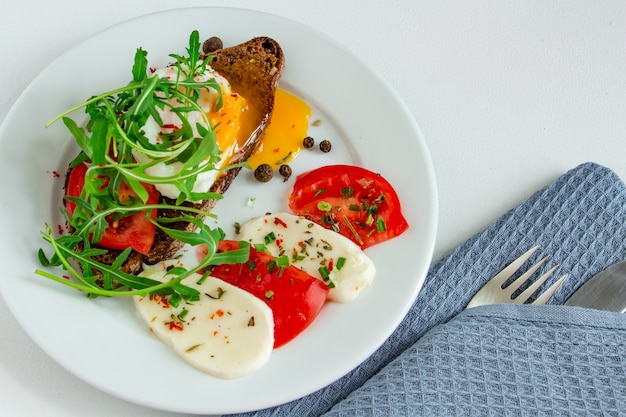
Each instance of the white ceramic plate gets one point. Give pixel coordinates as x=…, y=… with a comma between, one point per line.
x=102, y=341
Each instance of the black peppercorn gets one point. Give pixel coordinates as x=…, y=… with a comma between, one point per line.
x=212, y=44
x=308, y=142
x=264, y=172
x=325, y=146
x=285, y=171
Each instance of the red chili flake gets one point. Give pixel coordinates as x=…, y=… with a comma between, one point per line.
x=170, y=126
x=276, y=150
x=66, y=276
x=278, y=221
x=235, y=95
x=279, y=242
x=215, y=333
x=331, y=264
x=218, y=313
x=60, y=229
x=152, y=70
x=165, y=302
x=174, y=325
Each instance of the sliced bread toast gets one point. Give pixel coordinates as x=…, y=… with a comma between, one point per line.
x=253, y=70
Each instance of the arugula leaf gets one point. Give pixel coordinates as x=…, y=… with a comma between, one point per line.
x=141, y=65
x=110, y=142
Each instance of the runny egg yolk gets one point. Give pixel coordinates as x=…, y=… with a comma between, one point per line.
x=282, y=139
x=228, y=121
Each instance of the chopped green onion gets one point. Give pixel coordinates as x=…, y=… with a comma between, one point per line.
x=341, y=261
x=319, y=192
x=269, y=238
x=381, y=226
x=260, y=247
x=324, y=206
x=283, y=261
x=324, y=273
x=175, y=299
x=347, y=192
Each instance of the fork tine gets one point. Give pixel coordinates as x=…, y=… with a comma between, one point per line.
x=507, y=272
x=548, y=293
x=519, y=281
x=491, y=292
x=528, y=292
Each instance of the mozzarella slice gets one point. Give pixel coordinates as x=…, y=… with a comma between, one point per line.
x=228, y=333
x=310, y=246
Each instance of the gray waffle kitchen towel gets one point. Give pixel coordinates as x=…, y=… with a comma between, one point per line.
x=580, y=220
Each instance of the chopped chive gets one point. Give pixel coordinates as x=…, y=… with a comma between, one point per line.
x=324, y=273
x=271, y=265
x=381, y=226
x=341, y=261
x=347, y=192
x=260, y=247
x=283, y=261
x=175, y=299
x=269, y=238
x=251, y=264
x=324, y=206
x=319, y=192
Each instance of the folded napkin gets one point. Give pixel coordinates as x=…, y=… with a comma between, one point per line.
x=503, y=360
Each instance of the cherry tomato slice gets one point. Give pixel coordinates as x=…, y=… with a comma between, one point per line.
x=130, y=231
x=351, y=200
x=294, y=296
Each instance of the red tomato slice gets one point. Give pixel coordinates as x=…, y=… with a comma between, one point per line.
x=294, y=296
x=353, y=201
x=130, y=231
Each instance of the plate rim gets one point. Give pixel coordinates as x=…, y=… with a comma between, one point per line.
x=419, y=142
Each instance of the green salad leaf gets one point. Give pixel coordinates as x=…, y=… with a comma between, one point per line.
x=109, y=143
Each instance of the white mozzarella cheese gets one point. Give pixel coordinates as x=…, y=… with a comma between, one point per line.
x=310, y=247
x=228, y=333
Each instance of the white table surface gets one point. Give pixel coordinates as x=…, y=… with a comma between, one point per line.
x=508, y=94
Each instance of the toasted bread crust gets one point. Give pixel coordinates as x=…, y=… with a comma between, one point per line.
x=253, y=70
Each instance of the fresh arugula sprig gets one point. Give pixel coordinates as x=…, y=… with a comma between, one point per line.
x=110, y=144
x=115, y=133
x=111, y=281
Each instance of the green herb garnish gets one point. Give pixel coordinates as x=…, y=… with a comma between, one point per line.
x=110, y=144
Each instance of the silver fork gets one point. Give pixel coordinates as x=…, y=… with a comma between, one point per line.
x=493, y=292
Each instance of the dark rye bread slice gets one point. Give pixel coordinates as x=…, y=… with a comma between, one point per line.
x=253, y=70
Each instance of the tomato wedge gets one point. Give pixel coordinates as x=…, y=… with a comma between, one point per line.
x=356, y=202
x=294, y=296
x=134, y=230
